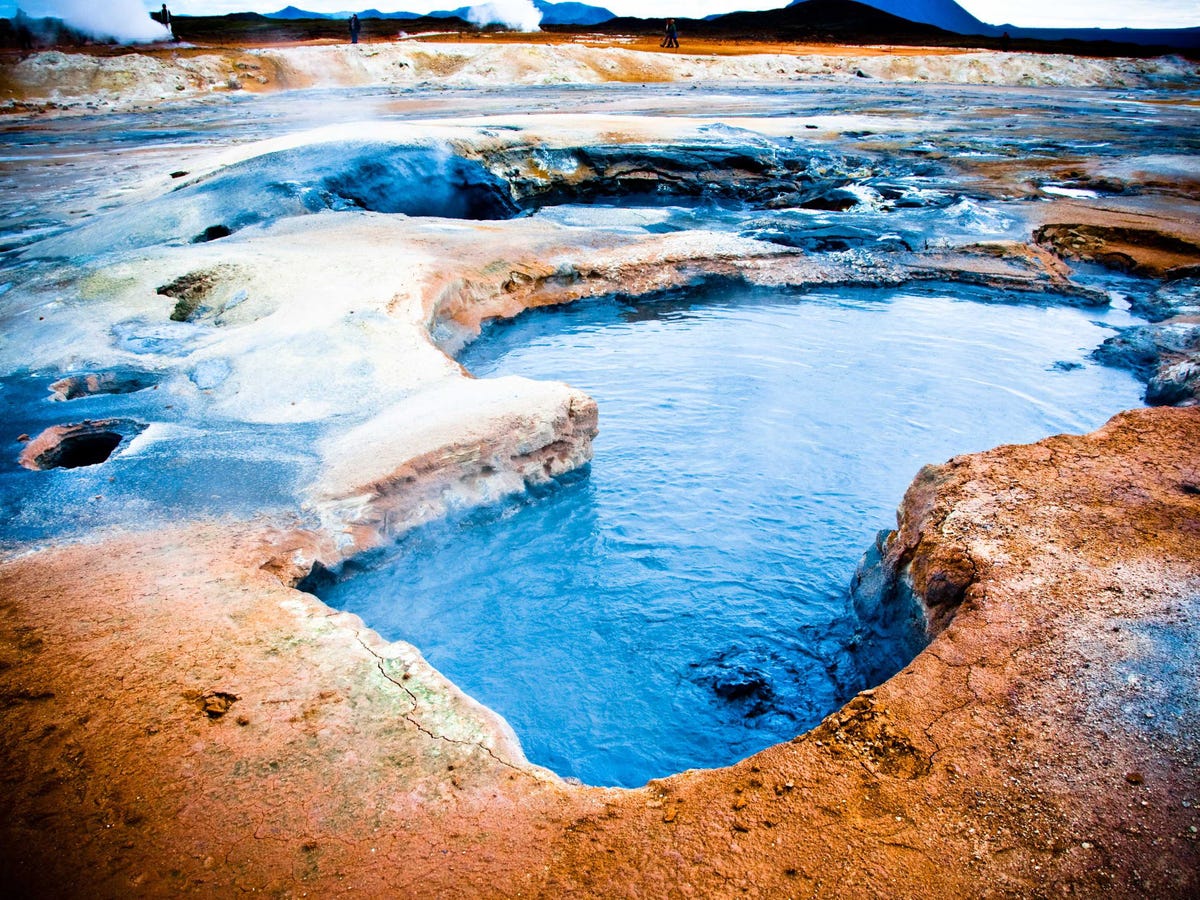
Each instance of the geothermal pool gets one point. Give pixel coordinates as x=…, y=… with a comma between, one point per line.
x=685, y=603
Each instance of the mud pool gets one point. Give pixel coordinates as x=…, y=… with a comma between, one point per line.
x=685, y=603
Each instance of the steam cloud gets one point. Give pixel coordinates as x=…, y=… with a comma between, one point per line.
x=518, y=15
x=124, y=21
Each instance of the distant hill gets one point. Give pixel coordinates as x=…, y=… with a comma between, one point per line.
x=867, y=22
x=950, y=16
x=290, y=12
x=572, y=13
x=552, y=14
x=824, y=20
x=1180, y=38
x=843, y=21
x=941, y=13
x=819, y=21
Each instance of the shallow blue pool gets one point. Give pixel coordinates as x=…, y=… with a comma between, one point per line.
x=685, y=602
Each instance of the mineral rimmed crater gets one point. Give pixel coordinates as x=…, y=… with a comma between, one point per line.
x=179, y=717
x=79, y=444
x=1052, y=717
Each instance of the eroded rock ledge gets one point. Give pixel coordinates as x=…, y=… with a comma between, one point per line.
x=1045, y=743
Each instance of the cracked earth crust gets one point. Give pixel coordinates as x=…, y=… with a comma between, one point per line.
x=1044, y=744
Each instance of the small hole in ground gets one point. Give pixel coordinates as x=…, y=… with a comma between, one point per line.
x=117, y=381
x=211, y=233
x=78, y=445
x=82, y=450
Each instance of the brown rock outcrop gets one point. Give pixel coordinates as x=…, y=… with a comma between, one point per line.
x=1144, y=235
x=1165, y=354
x=467, y=443
x=1141, y=250
x=89, y=384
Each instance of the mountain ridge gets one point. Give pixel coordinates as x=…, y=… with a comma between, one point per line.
x=565, y=13
x=944, y=14
x=821, y=20
x=950, y=16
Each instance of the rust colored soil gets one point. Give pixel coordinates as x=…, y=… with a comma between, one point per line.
x=707, y=47
x=701, y=47
x=239, y=65
x=176, y=718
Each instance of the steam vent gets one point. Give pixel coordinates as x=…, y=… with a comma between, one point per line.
x=489, y=462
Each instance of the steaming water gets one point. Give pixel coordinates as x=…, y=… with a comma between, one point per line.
x=751, y=446
x=124, y=21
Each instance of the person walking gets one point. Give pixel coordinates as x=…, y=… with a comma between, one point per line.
x=672, y=36
x=164, y=16
x=355, y=27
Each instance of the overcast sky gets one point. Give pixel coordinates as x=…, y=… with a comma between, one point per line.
x=1079, y=13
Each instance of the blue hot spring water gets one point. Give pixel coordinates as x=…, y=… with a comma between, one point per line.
x=685, y=603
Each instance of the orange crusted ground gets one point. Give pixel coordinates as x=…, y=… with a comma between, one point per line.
x=176, y=719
